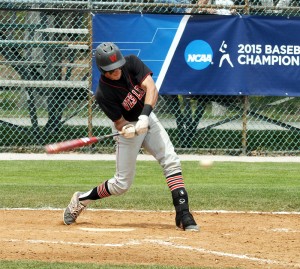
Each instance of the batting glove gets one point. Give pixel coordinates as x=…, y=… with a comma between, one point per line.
x=128, y=131
x=142, y=125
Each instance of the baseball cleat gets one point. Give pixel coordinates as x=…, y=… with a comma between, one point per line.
x=185, y=221
x=192, y=228
x=73, y=210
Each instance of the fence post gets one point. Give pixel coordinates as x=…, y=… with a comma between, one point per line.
x=90, y=95
x=244, y=130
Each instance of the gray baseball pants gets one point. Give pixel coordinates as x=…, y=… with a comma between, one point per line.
x=156, y=141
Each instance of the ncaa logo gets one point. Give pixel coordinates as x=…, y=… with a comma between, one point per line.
x=198, y=54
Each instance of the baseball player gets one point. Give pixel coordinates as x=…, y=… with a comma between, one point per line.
x=127, y=95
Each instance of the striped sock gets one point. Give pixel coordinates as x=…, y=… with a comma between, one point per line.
x=103, y=191
x=175, y=181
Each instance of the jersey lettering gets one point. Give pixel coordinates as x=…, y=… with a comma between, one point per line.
x=129, y=101
x=138, y=92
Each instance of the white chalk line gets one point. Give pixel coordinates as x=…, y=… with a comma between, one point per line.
x=219, y=253
x=92, y=230
x=283, y=230
x=151, y=211
x=157, y=242
x=61, y=242
x=107, y=229
x=160, y=242
x=143, y=157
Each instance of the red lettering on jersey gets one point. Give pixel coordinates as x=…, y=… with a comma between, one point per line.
x=126, y=105
x=113, y=58
x=138, y=92
x=129, y=102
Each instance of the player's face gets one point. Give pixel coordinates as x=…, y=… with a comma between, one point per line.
x=114, y=74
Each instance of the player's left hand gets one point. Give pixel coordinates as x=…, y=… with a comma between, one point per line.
x=142, y=125
x=128, y=131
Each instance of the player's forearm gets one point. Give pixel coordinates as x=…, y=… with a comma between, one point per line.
x=151, y=97
x=151, y=91
x=150, y=101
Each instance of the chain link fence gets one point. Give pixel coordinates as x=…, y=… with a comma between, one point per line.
x=45, y=82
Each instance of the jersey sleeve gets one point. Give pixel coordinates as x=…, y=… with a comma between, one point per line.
x=139, y=69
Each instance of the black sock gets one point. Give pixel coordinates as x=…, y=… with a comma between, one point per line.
x=91, y=195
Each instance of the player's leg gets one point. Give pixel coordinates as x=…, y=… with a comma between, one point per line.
x=126, y=155
x=157, y=142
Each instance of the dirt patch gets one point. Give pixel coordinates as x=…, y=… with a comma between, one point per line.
x=246, y=240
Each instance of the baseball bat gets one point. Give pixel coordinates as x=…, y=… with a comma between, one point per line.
x=76, y=143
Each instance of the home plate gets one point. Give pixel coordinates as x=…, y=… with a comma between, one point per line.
x=107, y=229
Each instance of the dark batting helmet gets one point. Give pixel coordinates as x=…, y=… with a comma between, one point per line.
x=109, y=57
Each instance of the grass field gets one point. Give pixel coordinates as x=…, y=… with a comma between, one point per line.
x=225, y=186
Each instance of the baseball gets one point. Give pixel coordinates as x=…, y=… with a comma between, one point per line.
x=206, y=163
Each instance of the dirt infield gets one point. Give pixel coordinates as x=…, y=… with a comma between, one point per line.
x=231, y=239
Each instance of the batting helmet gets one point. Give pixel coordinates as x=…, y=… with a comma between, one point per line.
x=109, y=57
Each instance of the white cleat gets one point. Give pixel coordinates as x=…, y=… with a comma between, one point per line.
x=73, y=210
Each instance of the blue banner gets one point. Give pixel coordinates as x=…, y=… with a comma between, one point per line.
x=209, y=55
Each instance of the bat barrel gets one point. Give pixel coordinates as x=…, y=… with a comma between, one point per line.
x=76, y=143
x=71, y=144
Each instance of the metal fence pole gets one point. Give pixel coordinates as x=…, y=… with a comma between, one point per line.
x=90, y=95
x=244, y=118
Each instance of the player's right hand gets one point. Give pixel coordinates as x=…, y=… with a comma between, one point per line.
x=142, y=124
x=128, y=131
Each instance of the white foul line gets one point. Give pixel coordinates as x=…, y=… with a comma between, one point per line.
x=143, y=157
x=107, y=229
x=162, y=211
x=162, y=243
x=219, y=253
x=60, y=242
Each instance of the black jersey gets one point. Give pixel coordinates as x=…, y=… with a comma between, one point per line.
x=124, y=97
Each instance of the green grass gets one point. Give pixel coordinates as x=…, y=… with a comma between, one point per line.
x=225, y=186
